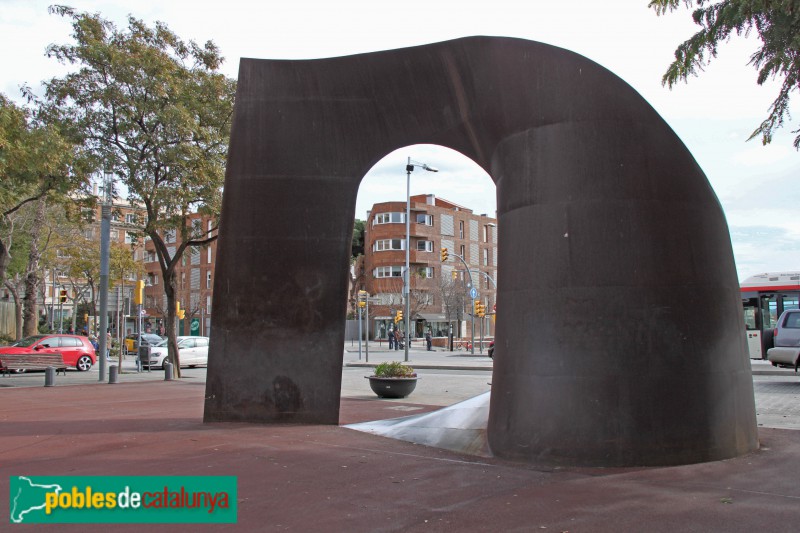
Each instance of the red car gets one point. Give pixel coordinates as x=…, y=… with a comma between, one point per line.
x=77, y=350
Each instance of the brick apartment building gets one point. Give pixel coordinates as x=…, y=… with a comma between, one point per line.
x=438, y=291
x=195, y=282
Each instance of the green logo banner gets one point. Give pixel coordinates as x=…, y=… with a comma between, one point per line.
x=122, y=500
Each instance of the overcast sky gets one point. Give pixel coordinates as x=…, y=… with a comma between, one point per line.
x=713, y=114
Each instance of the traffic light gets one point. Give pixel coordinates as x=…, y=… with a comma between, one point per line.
x=362, y=298
x=63, y=295
x=476, y=307
x=398, y=317
x=85, y=318
x=180, y=313
x=481, y=310
x=444, y=255
x=455, y=275
x=138, y=293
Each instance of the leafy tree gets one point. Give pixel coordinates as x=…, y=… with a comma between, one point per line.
x=156, y=110
x=358, y=239
x=39, y=160
x=778, y=26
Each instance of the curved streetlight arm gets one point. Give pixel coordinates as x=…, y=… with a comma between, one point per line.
x=490, y=278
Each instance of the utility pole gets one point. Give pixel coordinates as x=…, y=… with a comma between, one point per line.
x=105, y=250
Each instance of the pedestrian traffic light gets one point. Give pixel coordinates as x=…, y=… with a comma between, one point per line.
x=63, y=295
x=444, y=255
x=138, y=293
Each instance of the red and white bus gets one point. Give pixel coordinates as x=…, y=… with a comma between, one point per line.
x=764, y=298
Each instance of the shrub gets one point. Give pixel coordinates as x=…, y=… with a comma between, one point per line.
x=394, y=369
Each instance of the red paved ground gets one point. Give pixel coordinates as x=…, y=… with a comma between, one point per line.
x=324, y=478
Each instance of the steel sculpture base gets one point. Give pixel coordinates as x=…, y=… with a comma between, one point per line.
x=620, y=333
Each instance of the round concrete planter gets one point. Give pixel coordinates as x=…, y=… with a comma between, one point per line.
x=392, y=387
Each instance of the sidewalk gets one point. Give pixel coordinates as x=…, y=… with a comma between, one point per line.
x=418, y=357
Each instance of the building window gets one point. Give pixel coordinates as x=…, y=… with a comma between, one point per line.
x=169, y=235
x=208, y=254
x=389, y=218
x=88, y=233
x=114, y=235
x=150, y=256
x=208, y=305
x=130, y=238
x=461, y=252
x=130, y=218
x=389, y=272
x=208, y=279
x=389, y=244
x=460, y=229
x=485, y=257
x=424, y=246
x=426, y=272
x=152, y=279
x=427, y=220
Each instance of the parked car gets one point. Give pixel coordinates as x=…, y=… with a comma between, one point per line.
x=787, y=340
x=192, y=351
x=76, y=350
x=148, y=339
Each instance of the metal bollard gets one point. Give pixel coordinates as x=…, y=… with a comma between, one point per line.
x=113, y=374
x=138, y=365
x=49, y=376
x=167, y=371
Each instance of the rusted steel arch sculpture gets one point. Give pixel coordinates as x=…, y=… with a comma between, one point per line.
x=620, y=339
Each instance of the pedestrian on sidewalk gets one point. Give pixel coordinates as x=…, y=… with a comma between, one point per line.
x=391, y=339
x=429, y=340
x=398, y=339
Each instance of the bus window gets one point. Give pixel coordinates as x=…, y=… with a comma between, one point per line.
x=750, y=318
x=790, y=301
x=770, y=308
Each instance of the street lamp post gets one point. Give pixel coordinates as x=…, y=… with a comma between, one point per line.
x=406, y=276
x=105, y=248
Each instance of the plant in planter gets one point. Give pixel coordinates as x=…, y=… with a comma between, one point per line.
x=393, y=380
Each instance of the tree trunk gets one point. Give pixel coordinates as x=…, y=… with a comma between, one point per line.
x=5, y=259
x=30, y=312
x=17, y=310
x=169, y=325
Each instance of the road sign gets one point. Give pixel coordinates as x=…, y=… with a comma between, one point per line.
x=473, y=293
